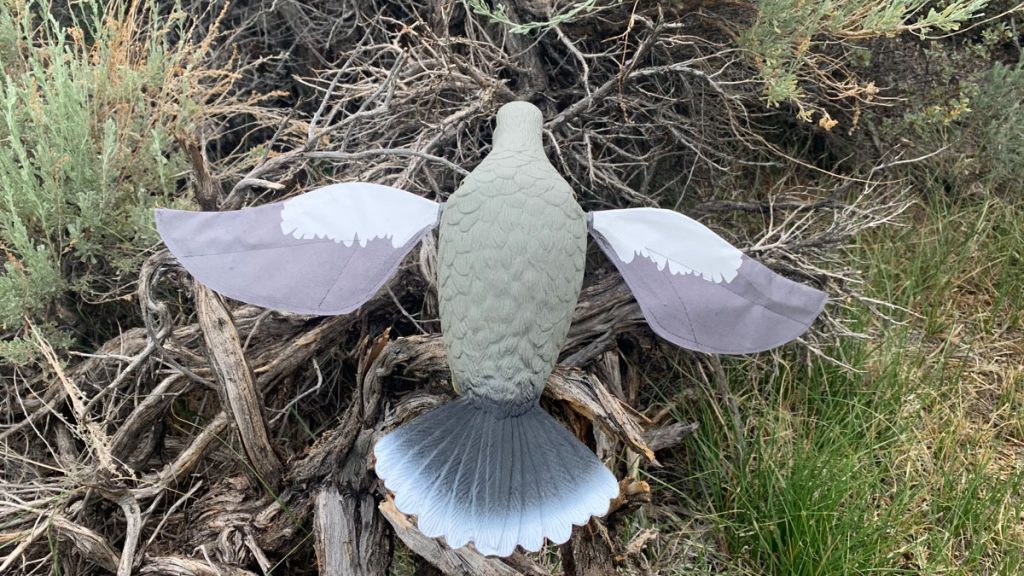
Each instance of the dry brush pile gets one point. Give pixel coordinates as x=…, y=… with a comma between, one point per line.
x=214, y=438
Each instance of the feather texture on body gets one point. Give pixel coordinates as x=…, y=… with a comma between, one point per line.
x=491, y=467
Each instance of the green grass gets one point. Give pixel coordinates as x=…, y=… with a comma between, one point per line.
x=911, y=463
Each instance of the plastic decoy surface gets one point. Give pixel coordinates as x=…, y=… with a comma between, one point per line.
x=698, y=291
x=492, y=468
x=324, y=252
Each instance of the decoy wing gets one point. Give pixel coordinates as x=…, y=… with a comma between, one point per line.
x=697, y=290
x=324, y=252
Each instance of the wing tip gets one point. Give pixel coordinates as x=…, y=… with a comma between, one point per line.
x=784, y=337
x=168, y=220
x=164, y=219
x=662, y=290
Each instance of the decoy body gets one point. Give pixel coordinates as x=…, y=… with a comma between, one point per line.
x=492, y=467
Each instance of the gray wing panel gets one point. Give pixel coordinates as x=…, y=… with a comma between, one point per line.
x=245, y=254
x=747, y=310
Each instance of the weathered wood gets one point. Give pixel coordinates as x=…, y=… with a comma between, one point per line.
x=587, y=396
x=240, y=396
x=133, y=516
x=425, y=357
x=670, y=435
x=125, y=443
x=632, y=495
x=180, y=566
x=589, y=552
x=154, y=484
x=206, y=187
x=93, y=546
x=331, y=454
x=349, y=534
x=638, y=543
x=297, y=350
x=239, y=525
x=605, y=308
x=525, y=565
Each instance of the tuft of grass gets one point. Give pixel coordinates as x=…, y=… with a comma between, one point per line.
x=908, y=464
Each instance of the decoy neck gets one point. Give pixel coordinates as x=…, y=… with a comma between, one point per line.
x=519, y=127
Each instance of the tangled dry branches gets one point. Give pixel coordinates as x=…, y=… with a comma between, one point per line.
x=224, y=439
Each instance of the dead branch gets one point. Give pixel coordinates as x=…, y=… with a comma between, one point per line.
x=236, y=383
x=151, y=443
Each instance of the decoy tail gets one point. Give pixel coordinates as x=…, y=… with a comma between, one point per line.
x=473, y=474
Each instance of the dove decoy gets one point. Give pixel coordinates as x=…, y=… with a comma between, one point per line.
x=491, y=467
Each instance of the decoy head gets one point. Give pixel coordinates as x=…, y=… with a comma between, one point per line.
x=519, y=127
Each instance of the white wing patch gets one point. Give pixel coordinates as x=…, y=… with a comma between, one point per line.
x=670, y=239
x=357, y=212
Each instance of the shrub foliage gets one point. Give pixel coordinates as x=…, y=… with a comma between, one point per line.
x=89, y=107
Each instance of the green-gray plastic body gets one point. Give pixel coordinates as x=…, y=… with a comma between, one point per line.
x=511, y=256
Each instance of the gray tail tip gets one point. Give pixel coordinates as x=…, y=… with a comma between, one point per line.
x=469, y=475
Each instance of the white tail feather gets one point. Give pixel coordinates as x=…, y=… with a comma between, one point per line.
x=470, y=474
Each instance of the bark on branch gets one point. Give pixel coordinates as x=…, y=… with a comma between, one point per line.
x=227, y=360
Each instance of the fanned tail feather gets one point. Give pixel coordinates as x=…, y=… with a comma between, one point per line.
x=470, y=474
